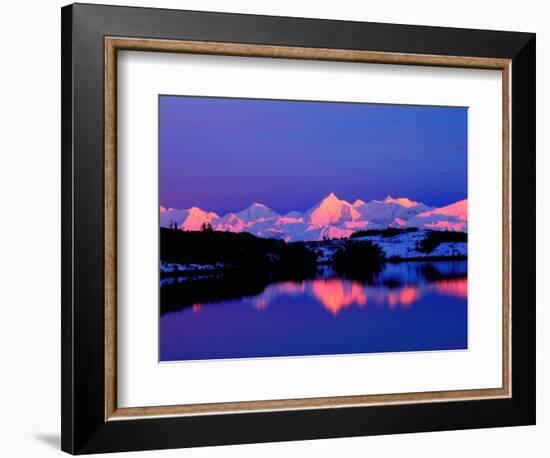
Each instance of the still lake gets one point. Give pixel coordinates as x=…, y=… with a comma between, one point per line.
x=406, y=306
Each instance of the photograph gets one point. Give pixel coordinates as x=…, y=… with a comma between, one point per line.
x=306, y=228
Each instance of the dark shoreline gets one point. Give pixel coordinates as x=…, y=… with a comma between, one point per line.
x=229, y=270
x=428, y=258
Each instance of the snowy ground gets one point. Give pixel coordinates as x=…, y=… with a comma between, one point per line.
x=173, y=267
x=403, y=246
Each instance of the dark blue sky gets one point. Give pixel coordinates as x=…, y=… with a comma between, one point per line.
x=223, y=154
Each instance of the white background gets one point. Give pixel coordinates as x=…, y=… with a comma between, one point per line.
x=30, y=229
x=144, y=382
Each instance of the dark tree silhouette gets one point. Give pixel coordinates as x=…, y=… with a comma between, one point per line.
x=358, y=259
x=388, y=232
x=435, y=238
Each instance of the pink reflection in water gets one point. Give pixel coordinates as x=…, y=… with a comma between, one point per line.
x=455, y=287
x=336, y=294
x=404, y=297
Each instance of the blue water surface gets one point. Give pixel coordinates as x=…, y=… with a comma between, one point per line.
x=407, y=306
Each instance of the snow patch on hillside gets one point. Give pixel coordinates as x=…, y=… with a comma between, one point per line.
x=402, y=246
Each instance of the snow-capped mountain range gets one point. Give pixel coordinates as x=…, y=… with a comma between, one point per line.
x=330, y=218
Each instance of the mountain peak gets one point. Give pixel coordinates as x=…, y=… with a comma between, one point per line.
x=199, y=212
x=453, y=217
x=191, y=219
x=403, y=201
x=358, y=203
x=167, y=209
x=256, y=211
x=458, y=210
x=333, y=200
x=331, y=210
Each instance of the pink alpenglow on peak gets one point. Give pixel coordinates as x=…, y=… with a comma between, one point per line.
x=398, y=222
x=452, y=217
x=191, y=219
x=403, y=201
x=331, y=218
x=331, y=211
x=289, y=220
x=458, y=210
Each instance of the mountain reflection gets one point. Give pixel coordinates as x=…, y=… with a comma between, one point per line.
x=336, y=294
x=457, y=287
x=396, y=285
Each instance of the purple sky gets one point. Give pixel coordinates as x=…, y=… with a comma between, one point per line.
x=223, y=154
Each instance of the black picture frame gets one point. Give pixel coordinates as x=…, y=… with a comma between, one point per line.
x=84, y=428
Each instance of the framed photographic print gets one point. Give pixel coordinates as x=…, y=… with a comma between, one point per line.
x=281, y=228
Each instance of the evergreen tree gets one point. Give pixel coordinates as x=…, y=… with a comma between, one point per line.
x=206, y=227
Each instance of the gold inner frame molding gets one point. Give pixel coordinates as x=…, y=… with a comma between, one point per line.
x=114, y=44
